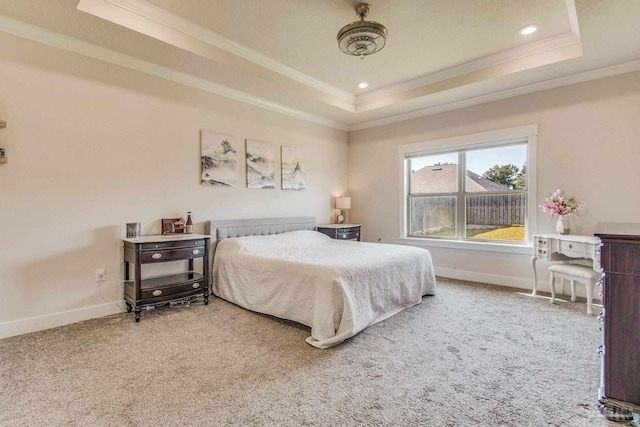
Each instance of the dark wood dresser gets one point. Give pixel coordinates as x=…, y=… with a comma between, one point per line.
x=619, y=393
x=169, y=288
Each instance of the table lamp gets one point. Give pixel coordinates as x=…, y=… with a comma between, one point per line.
x=342, y=203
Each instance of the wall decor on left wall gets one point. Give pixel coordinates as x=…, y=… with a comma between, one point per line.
x=218, y=159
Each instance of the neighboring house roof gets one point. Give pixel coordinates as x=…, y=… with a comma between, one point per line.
x=442, y=179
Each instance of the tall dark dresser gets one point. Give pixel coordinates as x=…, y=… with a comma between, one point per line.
x=619, y=393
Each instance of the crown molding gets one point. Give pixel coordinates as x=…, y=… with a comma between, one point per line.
x=156, y=22
x=572, y=14
x=60, y=41
x=57, y=40
x=537, y=48
x=176, y=27
x=627, y=67
x=540, y=47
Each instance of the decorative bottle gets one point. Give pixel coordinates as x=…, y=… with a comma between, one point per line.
x=189, y=225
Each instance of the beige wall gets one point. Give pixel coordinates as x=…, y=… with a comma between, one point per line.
x=92, y=146
x=588, y=145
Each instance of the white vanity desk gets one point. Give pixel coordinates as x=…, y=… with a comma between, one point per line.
x=559, y=247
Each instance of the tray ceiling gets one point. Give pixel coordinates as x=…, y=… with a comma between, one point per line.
x=283, y=54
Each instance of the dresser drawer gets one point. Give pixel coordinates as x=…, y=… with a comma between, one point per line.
x=152, y=295
x=162, y=288
x=572, y=249
x=625, y=258
x=347, y=235
x=172, y=255
x=543, y=249
x=348, y=232
x=347, y=229
x=171, y=245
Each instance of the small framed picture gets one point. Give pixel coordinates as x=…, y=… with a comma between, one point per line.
x=173, y=226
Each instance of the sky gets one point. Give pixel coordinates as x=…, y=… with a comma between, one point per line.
x=479, y=161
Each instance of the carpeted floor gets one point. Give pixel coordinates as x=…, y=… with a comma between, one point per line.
x=473, y=355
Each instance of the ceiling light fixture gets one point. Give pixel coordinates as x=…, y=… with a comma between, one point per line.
x=528, y=29
x=362, y=38
x=363, y=85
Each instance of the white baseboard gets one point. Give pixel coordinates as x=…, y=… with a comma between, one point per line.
x=39, y=323
x=494, y=279
x=512, y=282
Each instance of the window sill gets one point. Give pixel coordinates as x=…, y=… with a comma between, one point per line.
x=525, y=249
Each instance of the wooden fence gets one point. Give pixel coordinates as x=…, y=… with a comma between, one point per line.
x=436, y=214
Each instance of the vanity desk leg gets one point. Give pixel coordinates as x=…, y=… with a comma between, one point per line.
x=535, y=275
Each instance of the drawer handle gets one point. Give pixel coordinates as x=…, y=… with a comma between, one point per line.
x=541, y=252
x=157, y=255
x=195, y=251
x=157, y=292
x=196, y=285
x=570, y=246
x=600, y=321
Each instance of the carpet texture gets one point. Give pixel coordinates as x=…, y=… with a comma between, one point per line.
x=473, y=355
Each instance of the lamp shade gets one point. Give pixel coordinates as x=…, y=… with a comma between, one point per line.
x=343, y=202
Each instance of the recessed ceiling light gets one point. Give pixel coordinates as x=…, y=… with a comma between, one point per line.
x=528, y=29
x=363, y=85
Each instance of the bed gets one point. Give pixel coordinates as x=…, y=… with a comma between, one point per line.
x=283, y=268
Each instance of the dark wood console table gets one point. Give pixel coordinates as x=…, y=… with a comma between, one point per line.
x=153, y=291
x=619, y=394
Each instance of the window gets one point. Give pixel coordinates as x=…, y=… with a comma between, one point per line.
x=475, y=191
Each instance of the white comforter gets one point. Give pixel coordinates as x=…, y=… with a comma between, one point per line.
x=336, y=287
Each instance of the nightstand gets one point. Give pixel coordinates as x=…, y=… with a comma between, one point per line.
x=139, y=292
x=341, y=231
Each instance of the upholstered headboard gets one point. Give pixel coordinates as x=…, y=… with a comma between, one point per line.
x=221, y=229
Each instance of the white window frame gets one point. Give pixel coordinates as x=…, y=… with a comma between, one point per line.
x=528, y=134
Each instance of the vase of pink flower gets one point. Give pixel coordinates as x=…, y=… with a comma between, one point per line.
x=564, y=207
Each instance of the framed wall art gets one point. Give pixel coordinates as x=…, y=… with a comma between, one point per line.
x=261, y=164
x=218, y=159
x=293, y=170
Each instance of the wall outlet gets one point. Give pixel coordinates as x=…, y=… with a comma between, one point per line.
x=101, y=274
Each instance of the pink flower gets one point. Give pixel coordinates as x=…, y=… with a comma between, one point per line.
x=556, y=203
